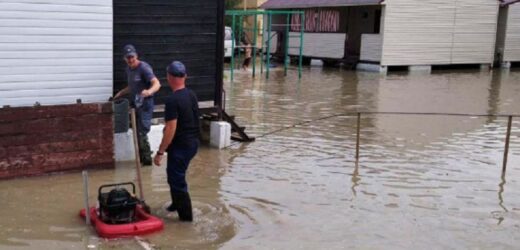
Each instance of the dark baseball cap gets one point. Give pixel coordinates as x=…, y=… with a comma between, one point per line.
x=129, y=50
x=177, y=69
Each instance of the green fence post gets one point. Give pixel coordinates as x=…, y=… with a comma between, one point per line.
x=264, y=45
x=255, y=33
x=268, y=59
x=240, y=34
x=302, y=28
x=287, y=37
x=232, y=49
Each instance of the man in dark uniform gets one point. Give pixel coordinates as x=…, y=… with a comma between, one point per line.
x=180, y=138
x=142, y=85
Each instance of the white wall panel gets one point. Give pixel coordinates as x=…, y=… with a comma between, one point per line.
x=55, y=51
x=512, y=39
x=321, y=45
x=371, y=47
x=429, y=32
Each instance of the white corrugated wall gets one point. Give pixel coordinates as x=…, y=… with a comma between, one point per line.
x=319, y=45
x=55, y=51
x=428, y=32
x=512, y=39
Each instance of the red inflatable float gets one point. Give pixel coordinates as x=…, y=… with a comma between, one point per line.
x=144, y=224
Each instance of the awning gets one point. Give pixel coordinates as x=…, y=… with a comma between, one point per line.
x=300, y=4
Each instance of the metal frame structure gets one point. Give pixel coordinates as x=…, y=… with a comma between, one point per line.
x=266, y=47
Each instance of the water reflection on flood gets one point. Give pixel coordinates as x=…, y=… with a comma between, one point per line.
x=421, y=182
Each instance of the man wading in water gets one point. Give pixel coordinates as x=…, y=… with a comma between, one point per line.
x=180, y=138
x=142, y=84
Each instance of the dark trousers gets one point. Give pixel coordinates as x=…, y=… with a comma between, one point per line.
x=178, y=162
x=144, y=122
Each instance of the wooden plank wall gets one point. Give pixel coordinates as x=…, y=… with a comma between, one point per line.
x=55, y=51
x=429, y=32
x=39, y=140
x=371, y=47
x=512, y=40
x=167, y=30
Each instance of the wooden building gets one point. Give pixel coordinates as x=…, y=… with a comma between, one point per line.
x=60, y=62
x=332, y=28
x=417, y=33
x=165, y=30
x=508, y=35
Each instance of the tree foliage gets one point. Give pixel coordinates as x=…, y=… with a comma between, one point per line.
x=231, y=4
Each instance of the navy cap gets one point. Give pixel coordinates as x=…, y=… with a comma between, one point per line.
x=129, y=50
x=177, y=69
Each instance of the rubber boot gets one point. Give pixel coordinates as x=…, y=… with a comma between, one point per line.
x=172, y=207
x=183, y=205
x=144, y=150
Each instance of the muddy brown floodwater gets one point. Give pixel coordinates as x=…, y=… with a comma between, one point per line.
x=422, y=182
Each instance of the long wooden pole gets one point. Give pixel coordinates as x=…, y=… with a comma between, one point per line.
x=506, y=149
x=137, y=156
x=85, y=188
x=357, y=136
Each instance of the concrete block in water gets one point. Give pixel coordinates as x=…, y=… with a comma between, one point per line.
x=505, y=65
x=421, y=69
x=220, y=134
x=370, y=67
x=316, y=63
x=124, y=146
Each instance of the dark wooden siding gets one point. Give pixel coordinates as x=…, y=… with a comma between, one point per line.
x=167, y=30
x=44, y=139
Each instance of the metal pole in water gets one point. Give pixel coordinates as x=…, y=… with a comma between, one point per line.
x=268, y=52
x=85, y=188
x=506, y=149
x=232, y=48
x=302, y=32
x=255, y=33
x=286, y=45
x=357, y=136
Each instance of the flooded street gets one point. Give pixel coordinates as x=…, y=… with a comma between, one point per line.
x=422, y=182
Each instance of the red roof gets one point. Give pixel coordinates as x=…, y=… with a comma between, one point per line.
x=292, y=4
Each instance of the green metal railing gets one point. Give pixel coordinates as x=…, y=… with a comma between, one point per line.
x=266, y=47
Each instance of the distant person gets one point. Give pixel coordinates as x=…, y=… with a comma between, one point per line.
x=180, y=138
x=142, y=85
x=246, y=43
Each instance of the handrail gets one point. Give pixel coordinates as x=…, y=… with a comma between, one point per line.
x=507, y=140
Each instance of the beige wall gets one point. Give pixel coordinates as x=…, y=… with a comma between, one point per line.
x=428, y=32
x=512, y=39
x=249, y=21
x=250, y=4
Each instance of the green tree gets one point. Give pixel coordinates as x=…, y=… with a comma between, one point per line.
x=230, y=4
